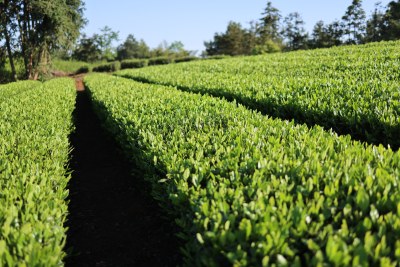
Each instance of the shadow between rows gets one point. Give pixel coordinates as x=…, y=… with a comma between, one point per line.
x=366, y=129
x=112, y=219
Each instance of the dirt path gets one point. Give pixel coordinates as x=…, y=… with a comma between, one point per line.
x=112, y=221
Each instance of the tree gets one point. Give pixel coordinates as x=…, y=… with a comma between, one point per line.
x=40, y=26
x=143, y=49
x=7, y=28
x=391, y=28
x=324, y=36
x=354, y=22
x=232, y=42
x=319, y=36
x=129, y=49
x=105, y=41
x=87, y=49
x=270, y=23
x=375, y=25
x=97, y=47
x=268, y=31
x=294, y=32
x=334, y=33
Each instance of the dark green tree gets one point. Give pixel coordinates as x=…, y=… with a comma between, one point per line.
x=334, y=33
x=391, y=28
x=143, y=49
x=269, y=38
x=294, y=32
x=324, y=36
x=354, y=22
x=40, y=27
x=7, y=30
x=87, y=50
x=319, y=36
x=128, y=49
x=270, y=23
x=232, y=42
x=375, y=25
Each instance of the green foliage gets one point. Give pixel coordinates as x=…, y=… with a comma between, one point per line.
x=134, y=63
x=132, y=48
x=108, y=67
x=160, y=61
x=70, y=66
x=354, y=22
x=98, y=47
x=105, y=42
x=34, y=29
x=15, y=88
x=248, y=190
x=234, y=41
x=34, y=149
x=185, y=59
x=294, y=32
x=87, y=50
x=217, y=57
x=391, y=29
x=353, y=89
x=83, y=69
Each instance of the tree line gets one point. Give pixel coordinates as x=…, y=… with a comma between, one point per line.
x=32, y=31
x=274, y=33
x=100, y=47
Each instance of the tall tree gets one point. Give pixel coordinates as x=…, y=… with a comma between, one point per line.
x=326, y=35
x=105, y=42
x=375, y=25
x=41, y=26
x=334, y=33
x=319, y=36
x=391, y=29
x=87, y=49
x=294, y=32
x=270, y=23
x=233, y=42
x=7, y=29
x=268, y=31
x=129, y=49
x=354, y=22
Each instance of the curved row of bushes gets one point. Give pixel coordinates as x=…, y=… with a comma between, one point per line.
x=34, y=153
x=352, y=89
x=139, y=63
x=248, y=190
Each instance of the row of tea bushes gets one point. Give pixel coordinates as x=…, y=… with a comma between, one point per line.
x=248, y=190
x=10, y=89
x=34, y=153
x=352, y=89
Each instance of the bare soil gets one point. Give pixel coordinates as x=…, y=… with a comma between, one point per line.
x=112, y=219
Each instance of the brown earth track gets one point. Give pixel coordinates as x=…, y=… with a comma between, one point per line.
x=112, y=219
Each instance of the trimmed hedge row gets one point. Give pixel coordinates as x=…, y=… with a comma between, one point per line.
x=34, y=152
x=134, y=63
x=353, y=89
x=248, y=190
x=14, y=88
x=108, y=67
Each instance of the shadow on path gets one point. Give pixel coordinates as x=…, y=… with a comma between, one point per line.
x=112, y=220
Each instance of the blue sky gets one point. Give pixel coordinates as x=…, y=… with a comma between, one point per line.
x=193, y=21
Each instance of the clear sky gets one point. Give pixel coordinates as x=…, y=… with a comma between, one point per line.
x=194, y=21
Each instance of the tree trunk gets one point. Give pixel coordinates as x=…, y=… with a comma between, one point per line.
x=10, y=56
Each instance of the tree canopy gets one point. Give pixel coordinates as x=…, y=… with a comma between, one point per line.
x=35, y=28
